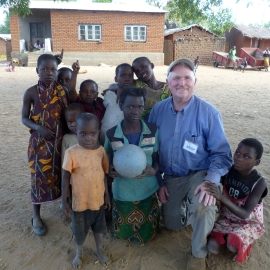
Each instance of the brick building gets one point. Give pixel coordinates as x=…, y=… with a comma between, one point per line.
x=5, y=46
x=191, y=41
x=247, y=36
x=93, y=32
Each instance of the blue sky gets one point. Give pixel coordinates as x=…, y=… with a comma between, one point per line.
x=258, y=12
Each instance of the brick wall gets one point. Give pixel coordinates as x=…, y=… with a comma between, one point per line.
x=65, y=31
x=15, y=33
x=202, y=46
x=8, y=50
x=2, y=46
x=5, y=48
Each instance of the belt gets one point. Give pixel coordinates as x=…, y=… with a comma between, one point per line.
x=172, y=175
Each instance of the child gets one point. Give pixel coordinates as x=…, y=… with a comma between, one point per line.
x=196, y=63
x=156, y=91
x=135, y=208
x=43, y=106
x=11, y=67
x=64, y=76
x=241, y=213
x=243, y=65
x=85, y=165
x=88, y=96
x=71, y=113
x=113, y=115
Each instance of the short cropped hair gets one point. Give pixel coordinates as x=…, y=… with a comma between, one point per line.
x=121, y=66
x=87, y=117
x=132, y=91
x=63, y=69
x=88, y=81
x=74, y=107
x=141, y=58
x=254, y=143
x=45, y=57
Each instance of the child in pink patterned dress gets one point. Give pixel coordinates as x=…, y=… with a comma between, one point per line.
x=241, y=212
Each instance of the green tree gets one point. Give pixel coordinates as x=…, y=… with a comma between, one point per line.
x=102, y=1
x=219, y=22
x=5, y=27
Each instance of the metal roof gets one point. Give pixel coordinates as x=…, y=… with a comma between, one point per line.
x=253, y=31
x=177, y=30
x=88, y=5
x=5, y=36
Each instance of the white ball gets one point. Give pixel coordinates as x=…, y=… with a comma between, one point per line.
x=129, y=161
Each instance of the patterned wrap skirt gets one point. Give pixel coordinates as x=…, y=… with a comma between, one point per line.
x=136, y=221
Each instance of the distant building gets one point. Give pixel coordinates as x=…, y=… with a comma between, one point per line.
x=247, y=36
x=5, y=45
x=93, y=32
x=191, y=41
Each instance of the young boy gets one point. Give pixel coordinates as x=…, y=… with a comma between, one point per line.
x=114, y=115
x=71, y=113
x=85, y=165
x=88, y=95
x=241, y=212
x=196, y=63
x=64, y=76
x=243, y=65
x=42, y=111
x=156, y=91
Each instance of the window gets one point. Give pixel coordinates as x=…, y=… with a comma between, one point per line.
x=89, y=32
x=135, y=33
x=36, y=30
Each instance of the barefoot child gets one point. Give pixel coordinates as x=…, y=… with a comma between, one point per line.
x=43, y=106
x=156, y=91
x=241, y=213
x=88, y=95
x=85, y=166
x=113, y=115
x=135, y=208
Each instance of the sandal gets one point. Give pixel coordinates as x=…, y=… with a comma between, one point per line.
x=40, y=231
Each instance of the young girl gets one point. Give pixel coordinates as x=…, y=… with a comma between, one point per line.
x=241, y=213
x=42, y=111
x=88, y=95
x=156, y=91
x=135, y=209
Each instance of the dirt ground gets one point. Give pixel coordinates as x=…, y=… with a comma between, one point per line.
x=243, y=100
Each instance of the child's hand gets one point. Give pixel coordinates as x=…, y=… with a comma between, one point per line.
x=119, y=91
x=107, y=201
x=213, y=190
x=76, y=66
x=113, y=173
x=65, y=208
x=148, y=171
x=45, y=133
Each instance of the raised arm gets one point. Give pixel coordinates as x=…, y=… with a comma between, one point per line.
x=252, y=201
x=72, y=91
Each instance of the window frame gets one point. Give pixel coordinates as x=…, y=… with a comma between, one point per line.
x=86, y=28
x=132, y=33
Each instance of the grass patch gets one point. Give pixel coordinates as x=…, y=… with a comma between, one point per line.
x=3, y=56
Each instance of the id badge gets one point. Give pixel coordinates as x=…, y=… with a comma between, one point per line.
x=190, y=147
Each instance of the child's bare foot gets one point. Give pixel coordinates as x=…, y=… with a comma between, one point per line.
x=77, y=262
x=103, y=258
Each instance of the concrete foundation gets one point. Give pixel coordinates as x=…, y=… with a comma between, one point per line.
x=93, y=58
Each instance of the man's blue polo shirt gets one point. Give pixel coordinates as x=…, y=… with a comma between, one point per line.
x=200, y=123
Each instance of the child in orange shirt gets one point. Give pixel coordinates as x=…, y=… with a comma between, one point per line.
x=86, y=165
